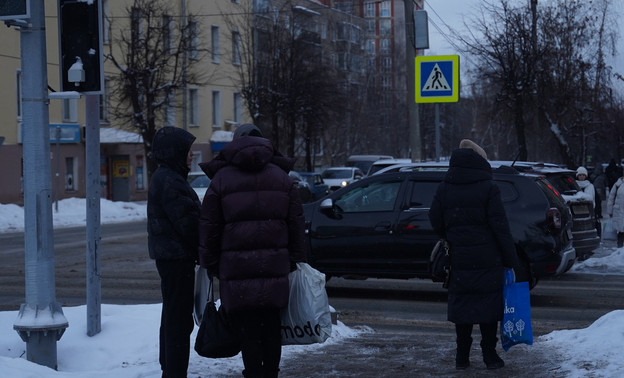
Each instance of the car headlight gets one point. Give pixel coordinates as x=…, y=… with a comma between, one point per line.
x=344, y=183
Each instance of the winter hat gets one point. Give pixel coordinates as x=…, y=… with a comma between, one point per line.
x=247, y=129
x=467, y=143
x=581, y=171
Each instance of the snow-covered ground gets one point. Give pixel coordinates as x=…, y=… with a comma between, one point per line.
x=127, y=347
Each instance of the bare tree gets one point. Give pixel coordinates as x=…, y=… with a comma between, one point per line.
x=288, y=78
x=552, y=56
x=156, y=55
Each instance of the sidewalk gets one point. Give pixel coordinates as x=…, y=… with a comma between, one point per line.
x=396, y=355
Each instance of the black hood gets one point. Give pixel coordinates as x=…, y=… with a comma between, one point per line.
x=248, y=153
x=467, y=166
x=170, y=148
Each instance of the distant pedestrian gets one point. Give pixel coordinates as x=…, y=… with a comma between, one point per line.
x=586, y=186
x=467, y=210
x=251, y=235
x=615, y=209
x=599, y=179
x=613, y=172
x=172, y=229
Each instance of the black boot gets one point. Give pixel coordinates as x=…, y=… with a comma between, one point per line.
x=492, y=359
x=462, y=357
x=620, y=239
x=488, y=346
x=464, y=341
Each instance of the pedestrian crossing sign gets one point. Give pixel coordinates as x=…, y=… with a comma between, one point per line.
x=437, y=78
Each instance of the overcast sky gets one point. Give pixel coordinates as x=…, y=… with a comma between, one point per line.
x=454, y=12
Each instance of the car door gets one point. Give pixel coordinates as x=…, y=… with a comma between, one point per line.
x=415, y=237
x=356, y=235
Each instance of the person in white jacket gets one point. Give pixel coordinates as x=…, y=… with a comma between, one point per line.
x=615, y=209
x=586, y=186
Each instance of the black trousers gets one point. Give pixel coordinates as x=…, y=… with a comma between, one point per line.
x=177, y=283
x=261, y=341
x=488, y=337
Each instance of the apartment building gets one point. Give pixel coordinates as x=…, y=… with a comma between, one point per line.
x=209, y=111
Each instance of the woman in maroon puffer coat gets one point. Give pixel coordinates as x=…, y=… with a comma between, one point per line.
x=251, y=237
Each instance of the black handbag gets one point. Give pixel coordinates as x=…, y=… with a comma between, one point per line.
x=216, y=338
x=440, y=263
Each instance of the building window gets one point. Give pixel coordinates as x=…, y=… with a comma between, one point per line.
x=216, y=109
x=193, y=107
x=384, y=9
x=214, y=44
x=169, y=110
x=385, y=27
x=384, y=46
x=323, y=30
x=370, y=46
x=238, y=108
x=136, y=27
x=355, y=63
x=262, y=6
x=194, y=36
x=140, y=173
x=371, y=64
x=386, y=82
x=342, y=61
x=236, y=48
x=167, y=33
x=386, y=64
x=70, y=110
x=370, y=27
x=104, y=98
x=18, y=93
x=344, y=6
x=369, y=10
x=70, y=174
x=355, y=34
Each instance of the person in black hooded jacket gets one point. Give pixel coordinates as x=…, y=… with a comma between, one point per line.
x=468, y=212
x=172, y=227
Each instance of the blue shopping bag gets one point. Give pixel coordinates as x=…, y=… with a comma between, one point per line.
x=516, y=325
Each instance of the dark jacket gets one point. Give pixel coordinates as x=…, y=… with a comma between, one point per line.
x=468, y=211
x=172, y=205
x=251, y=224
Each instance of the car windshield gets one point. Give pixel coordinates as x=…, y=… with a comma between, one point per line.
x=199, y=181
x=337, y=173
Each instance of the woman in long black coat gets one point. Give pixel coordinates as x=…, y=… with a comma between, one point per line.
x=468, y=212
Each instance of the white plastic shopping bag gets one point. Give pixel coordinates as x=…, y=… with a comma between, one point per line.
x=307, y=319
x=608, y=232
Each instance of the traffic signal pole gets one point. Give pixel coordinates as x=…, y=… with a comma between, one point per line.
x=40, y=322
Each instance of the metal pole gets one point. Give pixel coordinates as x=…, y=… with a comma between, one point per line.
x=412, y=106
x=40, y=322
x=57, y=157
x=92, y=165
x=437, y=131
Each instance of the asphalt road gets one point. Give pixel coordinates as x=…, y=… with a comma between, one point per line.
x=407, y=334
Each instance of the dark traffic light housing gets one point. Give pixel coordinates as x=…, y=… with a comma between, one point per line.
x=80, y=46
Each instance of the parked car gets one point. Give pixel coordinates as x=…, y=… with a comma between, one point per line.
x=363, y=162
x=379, y=226
x=338, y=177
x=383, y=163
x=584, y=232
x=199, y=182
x=305, y=192
x=318, y=187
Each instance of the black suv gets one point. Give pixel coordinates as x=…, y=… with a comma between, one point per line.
x=584, y=232
x=379, y=226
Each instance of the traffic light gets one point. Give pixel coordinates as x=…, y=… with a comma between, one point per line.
x=80, y=46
